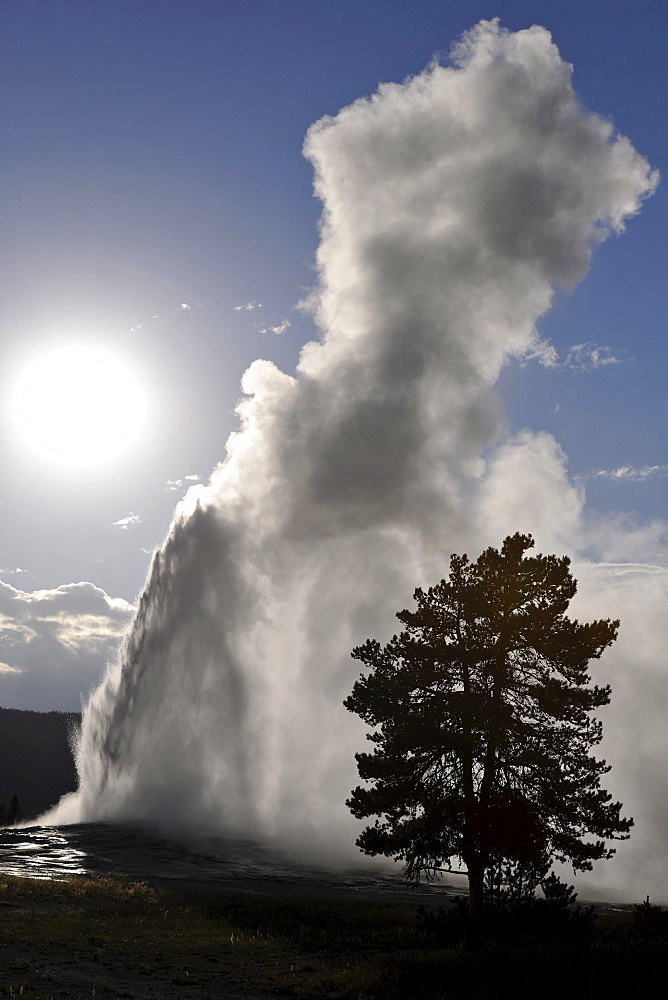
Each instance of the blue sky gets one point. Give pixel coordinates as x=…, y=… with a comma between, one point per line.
x=152, y=160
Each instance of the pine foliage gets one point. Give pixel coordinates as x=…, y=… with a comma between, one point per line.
x=482, y=727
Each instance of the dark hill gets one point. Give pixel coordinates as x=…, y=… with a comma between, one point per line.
x=36, y=761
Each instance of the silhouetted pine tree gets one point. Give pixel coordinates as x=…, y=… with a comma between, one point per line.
x=483, y=733
x=14, y=812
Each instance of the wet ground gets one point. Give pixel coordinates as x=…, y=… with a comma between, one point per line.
x=203, y=861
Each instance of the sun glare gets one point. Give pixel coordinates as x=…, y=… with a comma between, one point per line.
x=79, y=406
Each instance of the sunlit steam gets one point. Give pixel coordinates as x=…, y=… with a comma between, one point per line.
x=453, y=204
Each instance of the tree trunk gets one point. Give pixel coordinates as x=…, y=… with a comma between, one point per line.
x=476, y=871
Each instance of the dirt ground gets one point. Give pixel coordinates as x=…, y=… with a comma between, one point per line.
x=46, y=974
x=73, y=948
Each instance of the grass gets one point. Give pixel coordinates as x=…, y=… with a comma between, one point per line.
x=111, y=888
x=112, y=937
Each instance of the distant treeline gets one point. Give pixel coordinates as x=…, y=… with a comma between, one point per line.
x=36, y=762
x=12, y=813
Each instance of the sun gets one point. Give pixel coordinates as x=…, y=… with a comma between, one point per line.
x=79, y=406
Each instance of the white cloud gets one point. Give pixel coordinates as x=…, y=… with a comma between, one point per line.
x=14, y=572
x=126, y=522
x=277, y=329
x=589, y=357
x=248, y=307
x=542, y=351
x=627, y=473
x=184, y=307
x=5, y=668
x=579, y=357
x=55, y=644
x=179, y=485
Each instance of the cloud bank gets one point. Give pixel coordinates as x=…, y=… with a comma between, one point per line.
x=453, y=205
x=56, y=644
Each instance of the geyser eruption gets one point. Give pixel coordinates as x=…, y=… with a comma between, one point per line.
x=453, y=205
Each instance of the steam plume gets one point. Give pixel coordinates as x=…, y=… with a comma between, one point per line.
x=453, y=204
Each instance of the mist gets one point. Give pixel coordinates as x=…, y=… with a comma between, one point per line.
x=454, y=205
